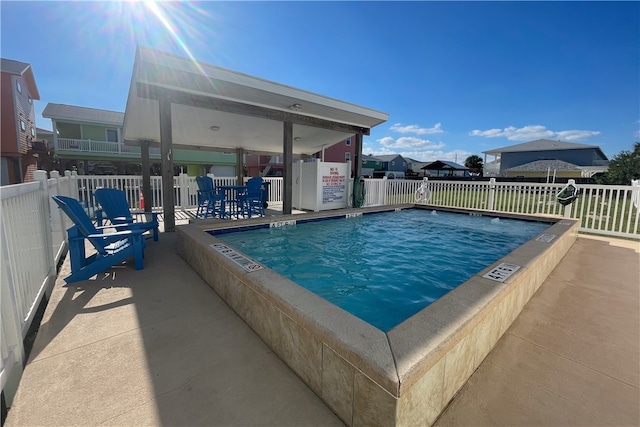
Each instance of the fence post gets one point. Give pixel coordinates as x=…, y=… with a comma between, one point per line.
x=635, y=193
x=73, y=185
x=382, y=196
x=183, y=185
x=67, y=173
x=56, y=217
x=41, y=176
x=567, y=208
x=492, y=193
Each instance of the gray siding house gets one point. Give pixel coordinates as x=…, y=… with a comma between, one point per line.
x=505, y=158
x=393, y=162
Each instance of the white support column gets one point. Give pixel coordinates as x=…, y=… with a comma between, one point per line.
x=54, y=126
x=492, y=192
x=183, y=184
x=119, y=131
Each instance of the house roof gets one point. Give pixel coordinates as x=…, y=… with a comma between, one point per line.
x=21, y=69
x=541, y=145
x=43, y=132
x=82, y=114
x=388, y=157
x=217, y=108
x=545, y=165
x=409, y=159
x=13, y=67
x=444, y=165
x=366, y=158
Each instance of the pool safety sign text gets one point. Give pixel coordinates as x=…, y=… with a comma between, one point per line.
x=334, y=186
x=546, y=238
x=502, y=272
x=244, y=262
x=278, y=224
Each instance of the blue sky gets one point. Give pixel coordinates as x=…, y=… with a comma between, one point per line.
x=456, y=78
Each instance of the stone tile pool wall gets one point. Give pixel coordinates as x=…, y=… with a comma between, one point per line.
x=404, y=377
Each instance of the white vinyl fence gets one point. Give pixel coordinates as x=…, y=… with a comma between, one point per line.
x=603, y=209
x=33, y=230
x=32, y=243
x=33, y=233
x=185, y=190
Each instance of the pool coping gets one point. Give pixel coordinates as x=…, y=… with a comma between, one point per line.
x=402, y=377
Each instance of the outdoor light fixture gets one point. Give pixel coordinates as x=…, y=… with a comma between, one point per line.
x=214, y=128
x=296, y=107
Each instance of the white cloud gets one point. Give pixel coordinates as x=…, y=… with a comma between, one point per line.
x=414, y=148
x=410, y=142
x=398, y=127
x=532, y=132
x=572, y=135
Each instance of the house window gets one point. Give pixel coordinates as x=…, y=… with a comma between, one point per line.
x=112, y=135
x=33, y=132
x=30, y=100
x=347, y=142
x=23, y=125
x=347, y=156
x=19, y=87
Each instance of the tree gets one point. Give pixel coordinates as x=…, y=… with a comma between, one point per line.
x=624, y=167
x=474, y=163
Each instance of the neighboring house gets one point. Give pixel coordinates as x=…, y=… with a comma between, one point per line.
x=389, y=165
x=340, y=152
x=416, y=166
x=43, y=145
x=445, y=168
x=261, y=165
x=371, y=162
x=550, y=168
x=18, y=91
x=589, y=158
x=393, y=163
x=90, y=140
x=370, y=165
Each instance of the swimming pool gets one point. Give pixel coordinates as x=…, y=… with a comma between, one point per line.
x=403, y=377
x=384, y=268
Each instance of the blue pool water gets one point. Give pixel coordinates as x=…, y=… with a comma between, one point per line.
x=385, y=267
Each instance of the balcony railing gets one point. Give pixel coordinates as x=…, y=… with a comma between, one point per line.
x=102, y=147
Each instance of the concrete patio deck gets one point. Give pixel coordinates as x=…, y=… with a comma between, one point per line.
x=159, y=347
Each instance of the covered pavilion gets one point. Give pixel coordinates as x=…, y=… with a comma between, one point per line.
x=448, y=168
x=177, y=102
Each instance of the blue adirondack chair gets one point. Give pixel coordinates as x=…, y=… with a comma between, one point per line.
x=251, y=202
x=116, y=209
x=112, y=248
x=211, y=201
